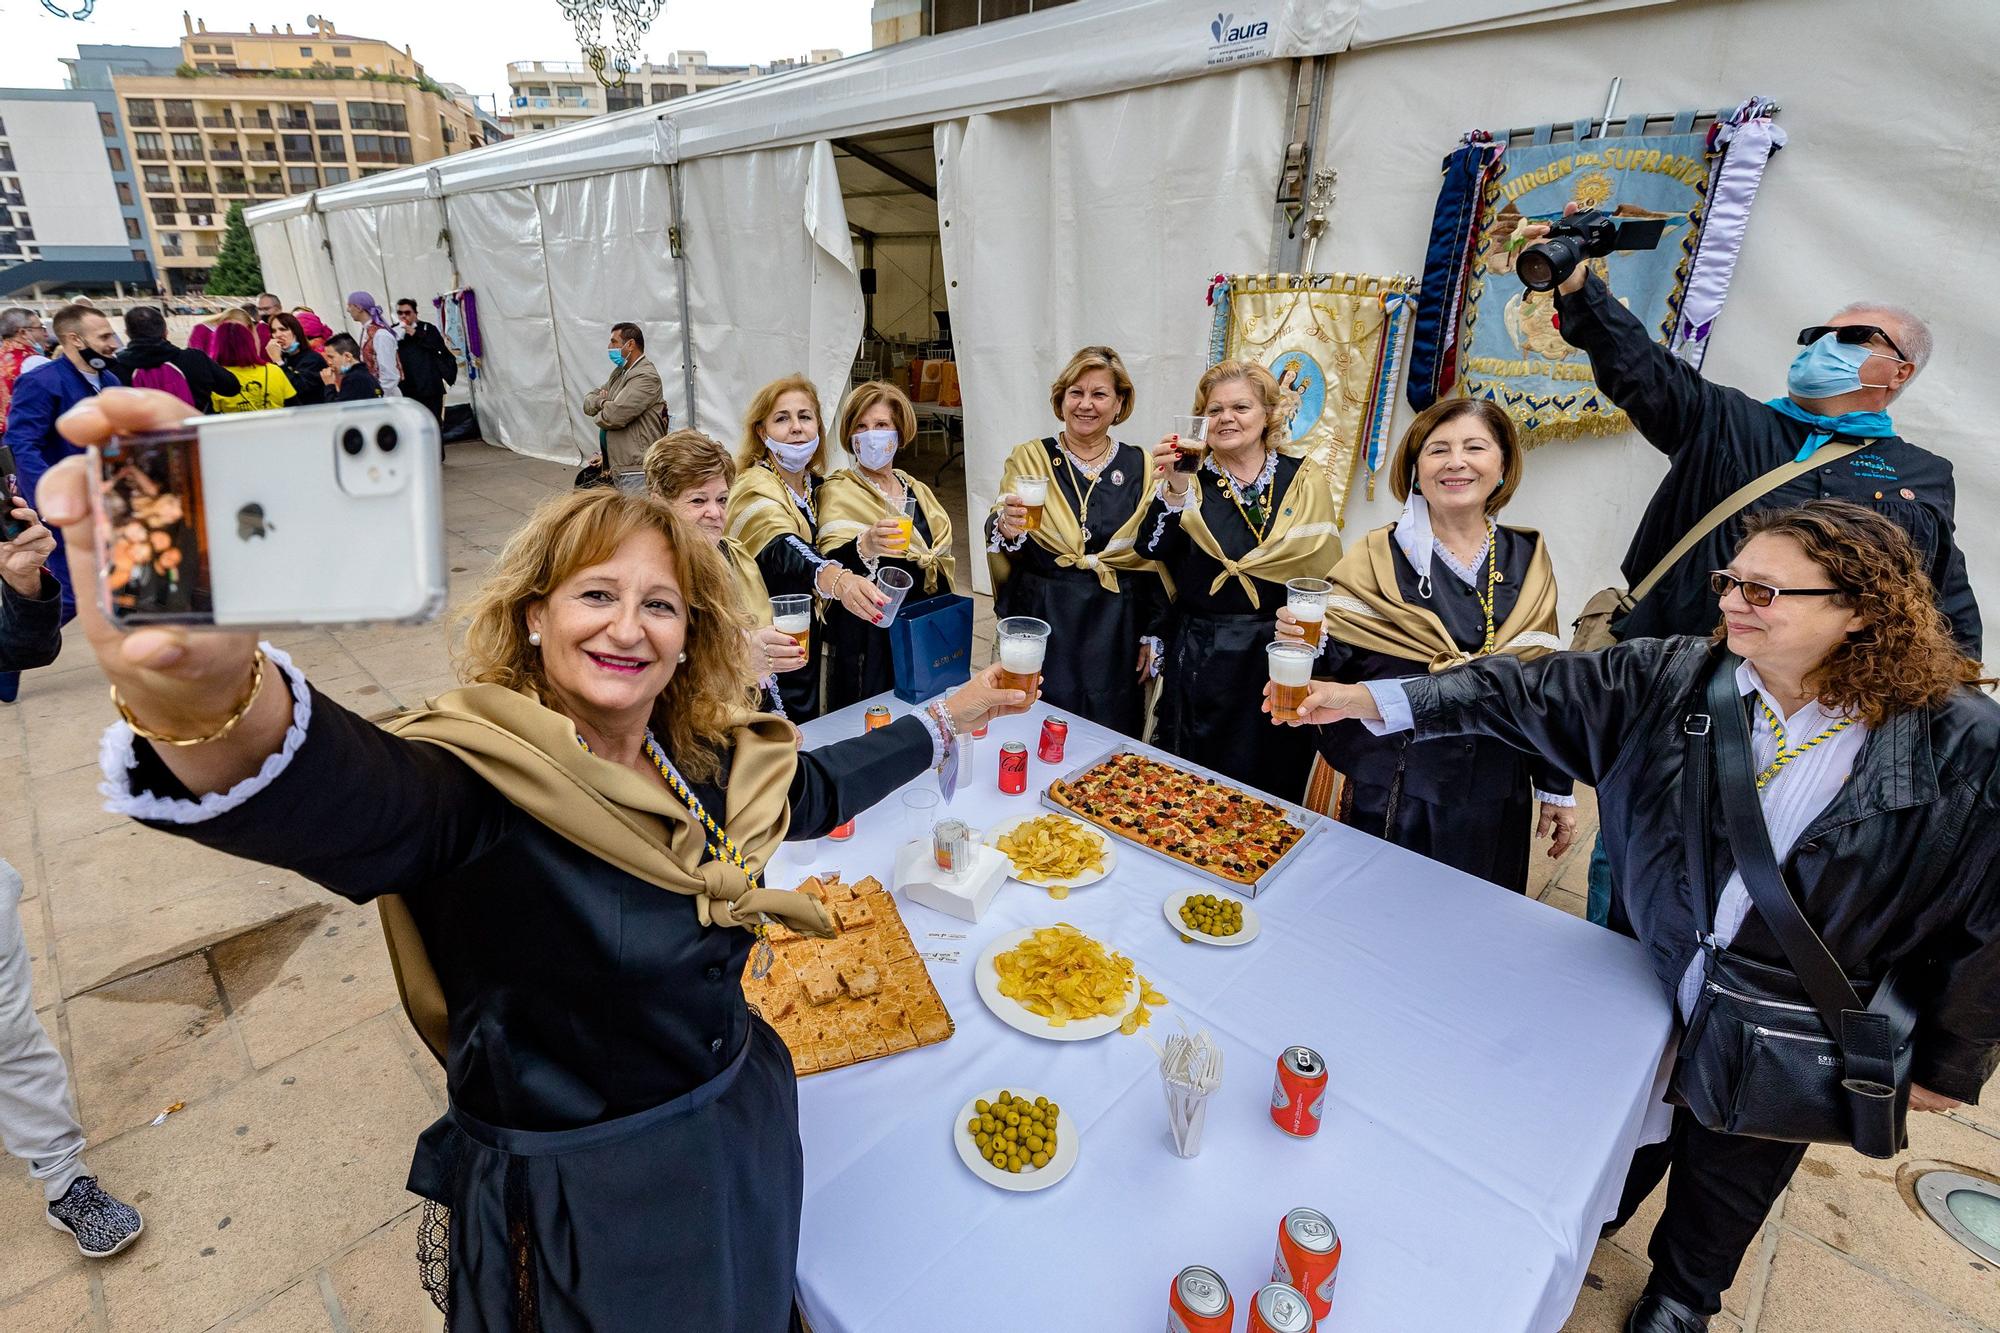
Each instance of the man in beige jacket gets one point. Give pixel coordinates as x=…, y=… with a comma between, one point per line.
x=629, y=408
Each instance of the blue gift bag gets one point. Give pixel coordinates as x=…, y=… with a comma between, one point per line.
x=931, y=645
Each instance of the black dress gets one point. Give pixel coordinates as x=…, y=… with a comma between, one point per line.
x=788, y=565
x=1466, y=801
x=622, y=1151
x=1092, y=667
x=1211, y=709
x=858, y=661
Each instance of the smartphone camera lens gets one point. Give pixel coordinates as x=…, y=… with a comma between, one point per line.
x=353, y=441
x=385, y=436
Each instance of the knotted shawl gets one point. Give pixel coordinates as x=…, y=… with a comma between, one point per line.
x=1367, y=609
x=849, y=506
x=1061, y=532
x=1303, y=541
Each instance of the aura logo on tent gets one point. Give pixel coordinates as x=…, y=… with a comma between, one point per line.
x=1238, y=39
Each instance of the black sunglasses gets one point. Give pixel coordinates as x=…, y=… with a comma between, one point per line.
x=1721, y=582
x=1854, y=335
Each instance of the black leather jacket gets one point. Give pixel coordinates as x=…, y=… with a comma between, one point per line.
x=30, y=627
x=1903, y=864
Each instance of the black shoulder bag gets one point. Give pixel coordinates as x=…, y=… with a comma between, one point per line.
x=1770, y=1052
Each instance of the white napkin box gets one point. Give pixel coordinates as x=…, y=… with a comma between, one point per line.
x=964, y=896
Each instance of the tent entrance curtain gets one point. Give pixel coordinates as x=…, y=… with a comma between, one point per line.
x=1100, y=221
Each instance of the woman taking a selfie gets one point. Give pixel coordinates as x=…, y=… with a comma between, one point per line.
x=1443, y=584
x=692, y=473
x=774, y=514
x=1078, y=568
x=1835, y=703
x=1228, y=535
x=575, y=839
x=875, y=517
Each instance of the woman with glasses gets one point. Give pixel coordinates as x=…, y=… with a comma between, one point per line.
x=1876, y=771
x=1444, y=584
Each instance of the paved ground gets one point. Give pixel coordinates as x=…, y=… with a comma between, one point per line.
x=275, y=1199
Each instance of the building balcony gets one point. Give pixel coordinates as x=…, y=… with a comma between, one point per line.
x=150, y=154
x=294, y=122
x=223, y=122
x=189, y=155
x=524, y=103
x=232, y=187
x=226, y=154
x=260, y=155
x=329, y=123
x=179, y=122
x=208, y=251
x=276, y=188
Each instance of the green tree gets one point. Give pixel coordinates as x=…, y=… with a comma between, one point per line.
x=236, y=271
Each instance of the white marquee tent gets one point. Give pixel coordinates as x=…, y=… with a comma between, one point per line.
x=1077, y=176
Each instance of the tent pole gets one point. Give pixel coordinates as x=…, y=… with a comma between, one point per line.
x=1296, y=177
x=676, y=236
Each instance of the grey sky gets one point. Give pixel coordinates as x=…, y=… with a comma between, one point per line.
x=460, y=41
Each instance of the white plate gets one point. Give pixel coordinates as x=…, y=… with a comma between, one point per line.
x=1251, y=925
x=1017, y=1015
x=1000, y=831
x=1030, y=1179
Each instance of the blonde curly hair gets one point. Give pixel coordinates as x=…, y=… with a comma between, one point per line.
x=1903, y=657
x=567, y=534
x=1277, y=425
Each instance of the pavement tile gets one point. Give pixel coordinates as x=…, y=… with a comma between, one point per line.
x=127, y=870
x=158, y=933
x=1813, y=1290
x=41, y=964
x=1633, y=1236
x=31, y=1251
x=1986, y=1115
x=1854, y=1204
x=1610, y=1287
x=68, y=806
x=303, y=979
x=299, y=1308
x=61, y=1306
x=148, y=1041
x=377, y=1284
x=265, y=1182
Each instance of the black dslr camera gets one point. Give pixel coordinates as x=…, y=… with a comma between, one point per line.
x=1591, y=234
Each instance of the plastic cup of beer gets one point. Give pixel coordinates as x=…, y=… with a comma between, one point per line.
x=792, y=613
x=1024, y=641
x=1034, y=493
x=895, y=585
x=1306, y=599
x=1291, y=667
x=906, y=521
x=1191, y=433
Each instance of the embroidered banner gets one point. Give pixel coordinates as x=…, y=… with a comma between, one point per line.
x=1513, y=353
x=1332, y=341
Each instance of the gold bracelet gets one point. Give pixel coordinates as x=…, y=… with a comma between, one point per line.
x=229, y=724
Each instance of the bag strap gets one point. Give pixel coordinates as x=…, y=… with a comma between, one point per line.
x=1750, y=844
x=1735, y=502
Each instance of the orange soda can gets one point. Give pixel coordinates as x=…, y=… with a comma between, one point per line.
x=1198, y=1302
x=1299, y=1095
x=1308, y=1257
x=1279, y=1309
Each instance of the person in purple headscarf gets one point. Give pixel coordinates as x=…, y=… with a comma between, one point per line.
x=378, y=344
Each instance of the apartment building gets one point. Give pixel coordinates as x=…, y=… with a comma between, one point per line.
x=259, y=115
x=548, y=93
x=893, y=21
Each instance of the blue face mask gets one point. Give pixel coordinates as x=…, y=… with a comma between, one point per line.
x=617, y=355
x=1828, y=369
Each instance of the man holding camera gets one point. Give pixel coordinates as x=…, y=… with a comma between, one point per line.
x=1720, y=440
x=36, y=1122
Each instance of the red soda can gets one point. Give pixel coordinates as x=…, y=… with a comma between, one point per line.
x=1299, y=1095
x=1308, y=1257
x=1279, y=1309
x=1013, y=768
x=979, y=732
x=1198, y=1302
x=1054, y=732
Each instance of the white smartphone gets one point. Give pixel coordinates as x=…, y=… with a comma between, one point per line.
x=325, y=515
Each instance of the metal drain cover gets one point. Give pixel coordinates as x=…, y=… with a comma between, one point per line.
x=1965, y=1206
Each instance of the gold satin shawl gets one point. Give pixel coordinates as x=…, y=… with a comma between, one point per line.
x=528, y=753
x=1367, y=608
x=1061, y=532
x=849, y=506
x=749, y=581
x=761, y=510
x=1303, y=540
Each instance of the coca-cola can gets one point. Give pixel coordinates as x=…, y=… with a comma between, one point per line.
x=980, y=730
x=1279, y=1309
x=1013, y=768
x=1299, y=1096
x=1054, y=732
x=1198, y=1302
x=1308, y=1257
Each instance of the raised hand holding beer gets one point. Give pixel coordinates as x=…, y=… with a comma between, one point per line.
x=1291, y=667
x=1322, y=701
x=1013, y=520
x=1030, y=493
x=1024, y=643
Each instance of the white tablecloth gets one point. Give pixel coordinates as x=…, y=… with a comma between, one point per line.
x=1493, y=1062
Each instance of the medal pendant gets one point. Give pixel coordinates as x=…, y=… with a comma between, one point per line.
x=1118, y=478
x=761, y=958
x=1086, y=536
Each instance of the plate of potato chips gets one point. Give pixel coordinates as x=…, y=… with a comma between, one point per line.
x=1054, y=852
x=1058, y=983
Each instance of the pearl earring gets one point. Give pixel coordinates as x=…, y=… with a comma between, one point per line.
x=535, y=638
x=682, y=658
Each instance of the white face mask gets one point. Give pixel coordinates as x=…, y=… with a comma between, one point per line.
x=875, y=448
x=793, y=457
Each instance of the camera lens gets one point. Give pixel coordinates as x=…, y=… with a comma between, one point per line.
x=1545, y=266
x=353, y=441
x=385, y=436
